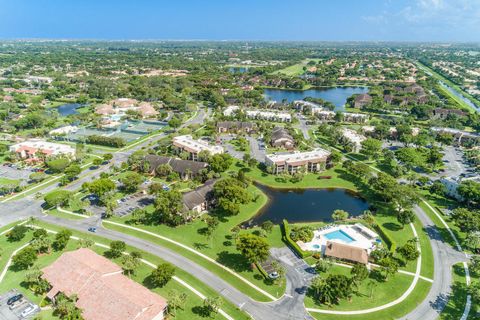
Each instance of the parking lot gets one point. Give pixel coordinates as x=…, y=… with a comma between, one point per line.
x=129, y=203
x=14, y=173
x=21, y=309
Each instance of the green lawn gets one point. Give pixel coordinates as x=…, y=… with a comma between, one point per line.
x=395, y=312
x=382, y=292
x=220, y=247
x=14, y=279
x=294, y=70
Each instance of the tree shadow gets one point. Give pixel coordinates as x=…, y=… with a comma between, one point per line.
x=200, y=246
x=201, y=311
x=392, y=226
x=234, y=261
x=227, y=243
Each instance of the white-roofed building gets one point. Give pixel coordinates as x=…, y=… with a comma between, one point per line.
x=31, y=148
x=230, y=110
x=353, y=138
x=269, y=115
x=312, y=161
x=63, y=130
x=187, y=144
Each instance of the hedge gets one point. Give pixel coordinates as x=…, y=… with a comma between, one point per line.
x=286, y=237
x=115, y=142
x=262, y=271
x=392, y=246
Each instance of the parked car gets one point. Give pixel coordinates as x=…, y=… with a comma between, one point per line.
x=273, y=275
x=14, y=299
x=92, y=229
x=31, y=308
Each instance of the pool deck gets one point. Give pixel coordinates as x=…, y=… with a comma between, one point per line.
x=352, y=235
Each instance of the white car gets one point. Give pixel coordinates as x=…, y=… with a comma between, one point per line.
x=31, y=308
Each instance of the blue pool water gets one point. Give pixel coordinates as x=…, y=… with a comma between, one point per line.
x=316, y=246
x=339, y=235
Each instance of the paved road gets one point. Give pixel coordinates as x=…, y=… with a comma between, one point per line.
x=288, y=307
x=302, y=125
x=444, y=256
x=255, y=151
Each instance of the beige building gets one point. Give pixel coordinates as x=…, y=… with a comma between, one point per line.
x=311, y=161
x=30, y=149
x=187, y=144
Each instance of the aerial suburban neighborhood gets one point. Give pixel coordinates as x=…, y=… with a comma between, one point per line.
x=239, y=179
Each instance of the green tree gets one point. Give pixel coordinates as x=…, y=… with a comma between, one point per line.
x=61, y=239
x=101, y=187
x=389, y=267
x=25, y=258
x=469, y=190
x=57, y=198
x=359, y=272
x=253, y=248
x=474, y=265
x=211, y=305
x=117, y=247
x=97, y=161
x=340, y=215
x=405, y=217
x=107, y=157
x=174, y=122
x=409, y=250
x=176, y=300
x=131, y=181
x=332, y=289
x=169, y=207
x=473, y=241
x=72, y=171
x=58, y=165
x=17, y=233
x=130, y=262
x=162, y=275
x=267, y=226
x=371, y=147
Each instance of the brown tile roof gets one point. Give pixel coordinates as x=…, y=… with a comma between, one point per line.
x=346, y=252
x=198, y=196
x=103, y=292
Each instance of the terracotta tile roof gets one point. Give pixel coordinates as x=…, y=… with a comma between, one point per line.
x=104, y=293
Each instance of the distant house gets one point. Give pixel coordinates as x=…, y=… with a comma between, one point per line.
x=103, y=292
x=235, y=126
x=282, y=139
x=200, y=199
x=355, y=117
x=325, y=115
x=230, y=110
x=388, y=98
x=362, y=100
x=30, y=149
x=311, y=161
x=186, y=169
x=193, y=147
x=269, y=115
x=441, y=113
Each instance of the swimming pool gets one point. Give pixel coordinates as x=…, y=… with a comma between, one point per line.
x=316, y=246
x=339, y=235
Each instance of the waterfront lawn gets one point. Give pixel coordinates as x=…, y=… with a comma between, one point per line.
x=14, y=278
x=220, y=247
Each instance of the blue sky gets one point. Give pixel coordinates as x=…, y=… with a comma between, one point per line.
x=320, y=20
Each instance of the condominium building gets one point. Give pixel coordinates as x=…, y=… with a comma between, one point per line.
x=269, y=115
x=30, y=149
x=192, y=146
x=355, y=139
x=311, y=161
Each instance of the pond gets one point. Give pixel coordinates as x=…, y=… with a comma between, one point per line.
x=336, y=95
x=307, y=205
x=68, y=109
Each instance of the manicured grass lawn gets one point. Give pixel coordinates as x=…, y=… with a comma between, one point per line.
x=220, y=247
x=14, y=279
x=9, y=181
x=56, y=213
x=294, y=70
x=311, y=180
x=382, y=292
x=394, y=312
x=456, y=305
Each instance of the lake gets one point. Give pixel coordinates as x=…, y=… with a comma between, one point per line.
x=68, y=109
x=308, y=205
x=336, y=95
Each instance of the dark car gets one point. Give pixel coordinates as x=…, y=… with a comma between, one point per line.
x=92, y=229
x=14, y=299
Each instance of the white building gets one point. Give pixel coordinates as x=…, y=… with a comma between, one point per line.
x=187, y=144
x=63, y=130
x=31, y=148
x=230, y=110
x=354, y=138
x=269, y=115
x=312, y=161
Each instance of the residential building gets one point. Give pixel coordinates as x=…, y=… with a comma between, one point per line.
x=441, y=113
x=63, y=130
x=353, y=138
x=186, y=169
x=120, y=106
x=362, y=100
x=269, y=115
x=30, y=149
x=461, y=137
x=325, y=115
x=200, y=199
x=103, y=292
x=282, y=139
x=230, y=111
x=187, y=144
x=311, y=161
x=235, y=126
x=355, y=117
